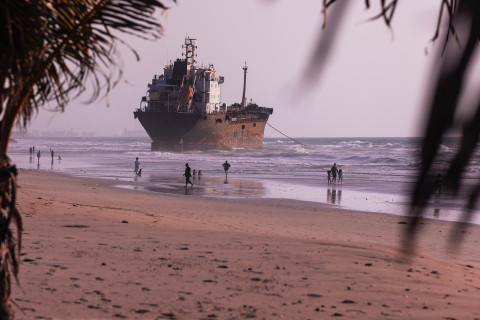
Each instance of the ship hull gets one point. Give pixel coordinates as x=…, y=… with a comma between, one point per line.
x=172, y=131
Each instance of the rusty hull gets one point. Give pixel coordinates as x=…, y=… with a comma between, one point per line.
x=187, y=131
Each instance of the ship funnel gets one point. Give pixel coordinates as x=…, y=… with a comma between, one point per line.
x=244, y=84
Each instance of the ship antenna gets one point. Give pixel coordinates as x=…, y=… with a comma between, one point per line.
x=244, y=84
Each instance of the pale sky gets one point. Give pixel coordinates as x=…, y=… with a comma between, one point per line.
x=374, y=85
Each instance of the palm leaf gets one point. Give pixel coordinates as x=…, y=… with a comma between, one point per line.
x=49, y=49
x=449, y=85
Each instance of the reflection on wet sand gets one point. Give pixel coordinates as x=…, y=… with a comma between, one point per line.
x=437, y=204
x=232, y=187
x=334, y=196
x=207, y=186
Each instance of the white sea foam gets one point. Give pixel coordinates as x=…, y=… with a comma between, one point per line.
x=381, y=165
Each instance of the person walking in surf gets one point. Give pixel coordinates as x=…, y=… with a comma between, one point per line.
x=226, y=166
x=334, y=170
x=187, y=175
x=137, y=166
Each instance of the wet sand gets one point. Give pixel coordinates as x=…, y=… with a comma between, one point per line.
x=385, y=197
x=91, y=251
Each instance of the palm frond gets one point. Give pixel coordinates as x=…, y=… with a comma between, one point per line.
x=449, y=85
x=48, y=50
x=59, y=44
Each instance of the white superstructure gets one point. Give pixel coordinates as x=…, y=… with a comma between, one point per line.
x=184, y=87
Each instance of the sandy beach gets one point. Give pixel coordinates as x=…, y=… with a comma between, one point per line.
x=92, y=251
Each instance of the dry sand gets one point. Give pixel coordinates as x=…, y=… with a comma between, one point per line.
x=91, y=251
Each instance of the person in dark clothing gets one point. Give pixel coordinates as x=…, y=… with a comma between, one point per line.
x=438, y=184
x=187, y=175
x=226, y=166
x=334, y=173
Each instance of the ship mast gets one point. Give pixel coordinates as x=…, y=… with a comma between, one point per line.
x=190, y=55
x=244, y=84
x=190, y=50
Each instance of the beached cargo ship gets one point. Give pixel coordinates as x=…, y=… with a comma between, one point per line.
x=182, y=110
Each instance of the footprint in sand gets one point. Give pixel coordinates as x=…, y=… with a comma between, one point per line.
x=141, y=311
x=348, y=301
x=149, y=304
x=93, y=307
x=169, y=315
x=208, y=281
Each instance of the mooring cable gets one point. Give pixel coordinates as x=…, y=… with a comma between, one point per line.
x=301, y=143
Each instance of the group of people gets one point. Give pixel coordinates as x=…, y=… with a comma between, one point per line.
x=32, y=152
x=187, y=174
x=333, y=173
x=39, y=154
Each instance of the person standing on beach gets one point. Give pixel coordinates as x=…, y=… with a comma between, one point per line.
x=52, y=153
x=340, y=176
x=334, y=170
x=187, y=175
x=38, y=156
x=226, y=166
x=438, y=184
x=137, y=166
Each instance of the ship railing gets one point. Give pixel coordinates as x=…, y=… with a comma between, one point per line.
x=164, y=106
x=246, y=120
x=160, y=106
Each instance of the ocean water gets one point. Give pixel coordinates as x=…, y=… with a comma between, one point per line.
x=378, y=172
